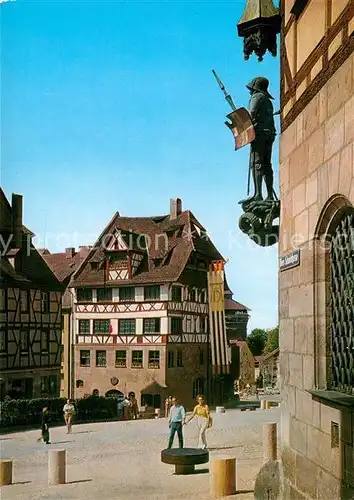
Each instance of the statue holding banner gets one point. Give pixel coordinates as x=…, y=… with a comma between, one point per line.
x=257, y=128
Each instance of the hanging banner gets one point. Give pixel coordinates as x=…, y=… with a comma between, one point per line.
x=218, y=339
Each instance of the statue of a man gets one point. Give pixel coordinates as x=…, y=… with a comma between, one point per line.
x=261, y=111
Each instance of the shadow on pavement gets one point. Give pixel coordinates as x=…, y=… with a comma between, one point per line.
x=225, y=447
x=201, y=471
x=79, y=481
x=61, y=442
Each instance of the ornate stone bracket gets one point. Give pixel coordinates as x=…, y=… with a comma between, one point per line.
x=257, y=221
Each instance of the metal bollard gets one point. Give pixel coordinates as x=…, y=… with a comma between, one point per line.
x=56, y=467
x=269, y=442
x=223, y=477
x=263, y=404
x=5, y=472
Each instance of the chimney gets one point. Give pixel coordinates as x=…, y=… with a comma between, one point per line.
x=17, y=219
x=70, y=252
x=84, y=250
x=175, y=208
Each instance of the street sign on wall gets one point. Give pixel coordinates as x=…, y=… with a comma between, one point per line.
x=289, y=260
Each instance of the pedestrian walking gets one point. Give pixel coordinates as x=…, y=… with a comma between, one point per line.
x=69, y=412
x=204, y=420
x=176, y=420
x=45, y=425
x=168, y=403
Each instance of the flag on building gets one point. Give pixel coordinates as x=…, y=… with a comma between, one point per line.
x=218, y=339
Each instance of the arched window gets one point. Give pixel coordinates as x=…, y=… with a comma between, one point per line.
x=342, y=304
x=334, y=296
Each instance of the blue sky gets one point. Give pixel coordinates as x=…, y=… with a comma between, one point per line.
x=110, y=105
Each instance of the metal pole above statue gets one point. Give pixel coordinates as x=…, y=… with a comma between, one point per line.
x=256, y=127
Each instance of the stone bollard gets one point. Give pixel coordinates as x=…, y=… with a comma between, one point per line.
x=269, y=442
x=267, y=405
x=56, y=467
x=263, y=404
x=5, y=472
x=223, y=477
x=220, y=409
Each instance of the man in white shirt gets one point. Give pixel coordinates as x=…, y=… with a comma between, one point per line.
x=69, y=412
x=176, y=419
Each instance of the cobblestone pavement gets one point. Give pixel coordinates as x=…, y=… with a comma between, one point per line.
x=121, y=460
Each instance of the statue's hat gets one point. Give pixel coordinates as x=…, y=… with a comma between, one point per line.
x=261, y=85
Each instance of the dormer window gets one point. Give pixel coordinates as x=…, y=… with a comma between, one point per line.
x=118, y=267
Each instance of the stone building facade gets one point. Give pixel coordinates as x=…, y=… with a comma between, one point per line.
x=242, y=364
x=270, y=370
x=316, y=296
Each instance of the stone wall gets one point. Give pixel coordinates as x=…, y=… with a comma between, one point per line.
x=316, y=180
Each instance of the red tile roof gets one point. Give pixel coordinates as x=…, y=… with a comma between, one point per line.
x=30, y=269
x=233, y=305
x=173, y=239
x=62, y=265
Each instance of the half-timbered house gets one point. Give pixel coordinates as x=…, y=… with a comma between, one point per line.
x=63, y=265
x=30, y=311
x=316, y=297
x=141, y=309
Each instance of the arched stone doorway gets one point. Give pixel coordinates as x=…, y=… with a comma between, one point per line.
x=114, y=393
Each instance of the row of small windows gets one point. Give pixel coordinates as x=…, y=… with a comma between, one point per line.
x=174, y=358
x=150, y=325
x=127, y=294
x=137, y=359
x=25, y=301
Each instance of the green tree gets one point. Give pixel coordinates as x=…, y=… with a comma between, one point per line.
x=256, y=341
x=272, y=342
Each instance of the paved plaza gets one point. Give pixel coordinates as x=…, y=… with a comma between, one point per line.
x=121, y=460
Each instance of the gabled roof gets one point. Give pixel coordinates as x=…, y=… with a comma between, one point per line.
x=272, y=354
x=173, y=240
x=233, y=305
x=22, y=266
x=63, y=266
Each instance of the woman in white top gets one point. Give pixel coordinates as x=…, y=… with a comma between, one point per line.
x=69, y=412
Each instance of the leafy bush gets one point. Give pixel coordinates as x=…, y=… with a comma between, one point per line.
x=28, y=411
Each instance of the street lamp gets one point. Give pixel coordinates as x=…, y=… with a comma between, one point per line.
x=259, y=26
